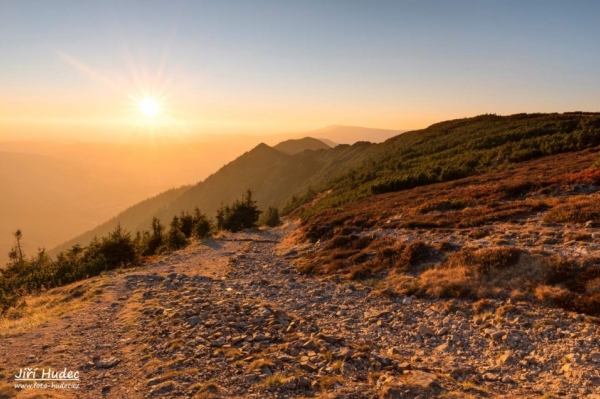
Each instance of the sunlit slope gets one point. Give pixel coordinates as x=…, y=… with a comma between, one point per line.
x=445, y=151
x=273, y=176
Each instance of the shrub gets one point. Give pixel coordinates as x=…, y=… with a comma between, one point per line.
x=22, y=275
x=202, y=225
x=118, y=249
x=175, y=238
x=242, y=214
x=487, y=259
x=578, y=210
x=270, y=218
x=152, y=242
x=186, y=224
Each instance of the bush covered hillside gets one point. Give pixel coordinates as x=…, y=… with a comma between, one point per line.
x=459, y=148
x=25, y=275
x=529, y=232
x=444, y=151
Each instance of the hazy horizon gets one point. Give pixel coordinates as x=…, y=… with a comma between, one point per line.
x=269, y=67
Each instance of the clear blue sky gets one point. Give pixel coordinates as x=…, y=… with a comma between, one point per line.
x=267, y=66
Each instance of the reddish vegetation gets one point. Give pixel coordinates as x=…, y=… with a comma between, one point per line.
x=557, y=189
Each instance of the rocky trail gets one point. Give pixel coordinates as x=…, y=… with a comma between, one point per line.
x=231, y=318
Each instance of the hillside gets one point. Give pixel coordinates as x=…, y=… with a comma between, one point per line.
x=459, y=148
x=232, y=317
x=444, y=151
x=273, y=175
x=99, y=180
x=55, y=191
x=295, y=146
x=460, y=288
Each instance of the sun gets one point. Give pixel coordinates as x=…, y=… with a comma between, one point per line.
x=149, y=107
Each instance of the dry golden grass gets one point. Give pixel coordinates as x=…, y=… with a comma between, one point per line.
x=59, y=302
x=550, y=294
x=259, y=364
x=578, y=209
x=207, y=390
x=327, y=382
x=275, y=380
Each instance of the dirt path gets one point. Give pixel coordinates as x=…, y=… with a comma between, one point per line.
x=232, y=319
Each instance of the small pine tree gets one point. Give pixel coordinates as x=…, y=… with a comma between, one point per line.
x=175, y=238
x=243, y=214
x=271, y=217
x=186, y=224
x=202, y=225
x=118, y=248
x=153, y=241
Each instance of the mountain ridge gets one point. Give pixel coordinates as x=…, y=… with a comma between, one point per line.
x=445, y=151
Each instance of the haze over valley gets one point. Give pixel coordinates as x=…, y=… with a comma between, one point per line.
x=55, y=191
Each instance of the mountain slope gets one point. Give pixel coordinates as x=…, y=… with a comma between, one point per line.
x=273, y=176
x=295, y=146
x=444, y=151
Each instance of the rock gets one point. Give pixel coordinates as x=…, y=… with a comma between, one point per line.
x=497, y=335
x=193, y=321
x=462, y=372
x=327, y=338
x=506, y=358
x=445, y=347
x=407, y=301
x=290, y=383
x=424, y=330
x=303, y=382
x=506, y=379
x=250, y=378
x=391, y=352
x=308, y=366
x=342, y=354
x=105, y=389
x=346, y=368
x=490, y=377
x=266, y=370
x=442, y=331
x=392, y=391
x=107, y=363
x=422, y=379
x=401, y=367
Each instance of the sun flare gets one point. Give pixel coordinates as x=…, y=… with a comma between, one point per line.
x=149, y=107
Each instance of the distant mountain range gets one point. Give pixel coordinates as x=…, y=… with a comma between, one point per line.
x=449, y=150
x=55, y=190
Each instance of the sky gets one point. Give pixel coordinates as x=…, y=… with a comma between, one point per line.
x=79, y=70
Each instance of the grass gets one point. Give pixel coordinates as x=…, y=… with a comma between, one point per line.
x=579, y=210
x=207, y=390
x=259, y=364
x=327, y=382
x=275, y=380
x=337, y=366
x=444, y=269
x=35, y=310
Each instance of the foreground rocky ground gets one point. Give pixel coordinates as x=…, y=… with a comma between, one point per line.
x=231, y=318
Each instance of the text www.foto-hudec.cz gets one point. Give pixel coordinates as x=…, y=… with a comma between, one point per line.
x=45, y=378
